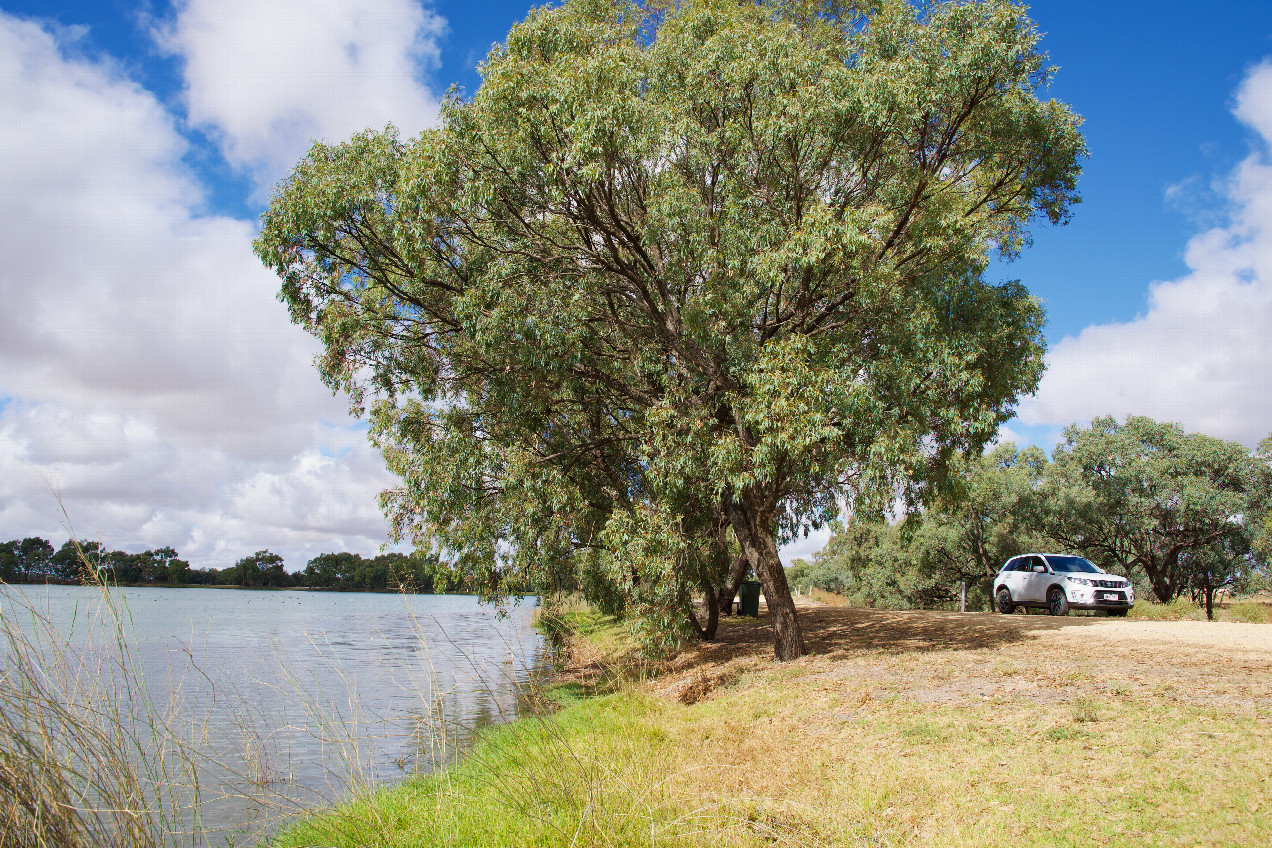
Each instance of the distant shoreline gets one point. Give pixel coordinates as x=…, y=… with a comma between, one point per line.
x=72, y=584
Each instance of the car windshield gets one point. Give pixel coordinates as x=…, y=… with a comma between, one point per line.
x=1072, y=563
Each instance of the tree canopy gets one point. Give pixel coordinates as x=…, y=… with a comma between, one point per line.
x=675, y=281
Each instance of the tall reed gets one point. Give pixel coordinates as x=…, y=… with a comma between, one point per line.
x=90, y=757
x=86, y=757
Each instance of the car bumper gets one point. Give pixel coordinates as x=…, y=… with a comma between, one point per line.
x=1098, y=599
x=1103, y=605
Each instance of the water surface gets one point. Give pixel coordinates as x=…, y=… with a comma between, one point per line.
x=304, y=692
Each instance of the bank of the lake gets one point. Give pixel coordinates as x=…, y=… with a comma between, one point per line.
x=901, y=728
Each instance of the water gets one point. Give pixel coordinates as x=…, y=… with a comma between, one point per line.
x=301, y=693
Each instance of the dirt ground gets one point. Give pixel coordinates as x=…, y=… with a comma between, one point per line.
x=953, y=658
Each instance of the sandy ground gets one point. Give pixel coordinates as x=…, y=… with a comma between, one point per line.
x=943, y=657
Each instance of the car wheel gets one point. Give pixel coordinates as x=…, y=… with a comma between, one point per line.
x=1117, y=613
x=1004, y=602
x=1057, y=603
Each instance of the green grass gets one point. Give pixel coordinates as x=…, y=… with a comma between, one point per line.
x=1183, y=609
x=599, y=772
x=1252, y=612
x=1180, y=609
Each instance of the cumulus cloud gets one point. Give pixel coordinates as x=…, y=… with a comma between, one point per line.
x=1201, y=354
x=805, y=547
x=268, y=76
x=146, y=369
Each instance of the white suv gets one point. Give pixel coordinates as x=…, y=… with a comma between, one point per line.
x=1059, y=583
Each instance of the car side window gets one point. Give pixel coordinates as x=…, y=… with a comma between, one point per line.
x=1025, y=564
x=1034, y=562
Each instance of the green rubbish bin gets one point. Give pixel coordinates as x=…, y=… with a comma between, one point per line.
x=749, y=594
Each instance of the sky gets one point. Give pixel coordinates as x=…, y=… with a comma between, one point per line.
x=153, y=391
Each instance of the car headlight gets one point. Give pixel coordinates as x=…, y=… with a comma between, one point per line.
x=1081, y=581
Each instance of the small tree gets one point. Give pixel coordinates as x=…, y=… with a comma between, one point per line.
x=1216, y=567
x=331, y=571
x=9, y=569
x=994, y=510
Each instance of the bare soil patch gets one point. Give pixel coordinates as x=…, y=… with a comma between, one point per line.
x=953, y=658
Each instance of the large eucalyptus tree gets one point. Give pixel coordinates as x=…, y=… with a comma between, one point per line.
x=684, y=271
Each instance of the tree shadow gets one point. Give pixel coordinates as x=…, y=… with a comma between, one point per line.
x=838, y=632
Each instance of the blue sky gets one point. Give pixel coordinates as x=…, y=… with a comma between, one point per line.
x=147, y=373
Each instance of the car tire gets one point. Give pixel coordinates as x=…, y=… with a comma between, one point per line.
x=1119, y=613
x=1057, y=601
x=1003, y=601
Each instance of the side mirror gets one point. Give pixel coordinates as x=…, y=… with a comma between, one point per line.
x=1040, y=569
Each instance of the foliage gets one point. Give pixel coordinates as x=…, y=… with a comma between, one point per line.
x=679, y=269
x=1181, y=513
x=993, y=512
x=23, y=559
x=156, y=566
x=1183, y=508
x=262, y=568
x=392, y=572
x=989, y=513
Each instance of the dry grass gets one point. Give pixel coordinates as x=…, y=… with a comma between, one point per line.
x=1255, y=610
x=820, y=596
x=928, y=728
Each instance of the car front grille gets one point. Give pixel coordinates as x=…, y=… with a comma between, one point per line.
x=1109, y=584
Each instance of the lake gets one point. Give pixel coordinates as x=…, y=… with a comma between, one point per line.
x=300, y=694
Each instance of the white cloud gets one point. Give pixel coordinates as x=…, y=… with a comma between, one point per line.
x=146, y=369
x=805, y=547
x=268, y=76
x=1254, y=105
x=1201, y=354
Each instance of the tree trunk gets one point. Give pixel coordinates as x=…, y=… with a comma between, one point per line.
x=729, y=590
x=712, y=603
x=1159, y=577
x=752, y=523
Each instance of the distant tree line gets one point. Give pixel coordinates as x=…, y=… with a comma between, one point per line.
x=1178, y=513
x=34, y=560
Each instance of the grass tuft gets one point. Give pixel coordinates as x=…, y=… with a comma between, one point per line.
x=1180, y=609
x=1251, y=612
x=1085, y=710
